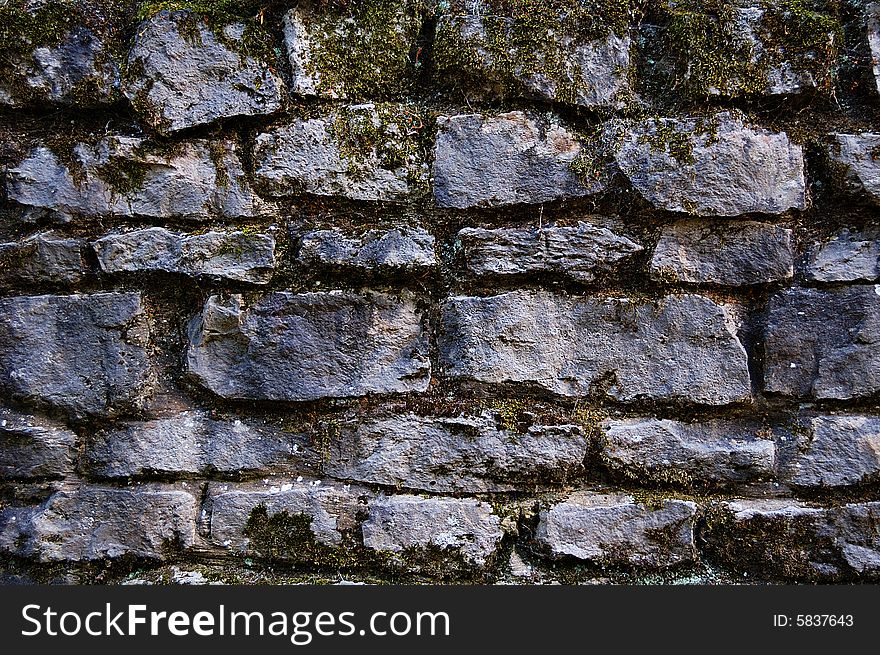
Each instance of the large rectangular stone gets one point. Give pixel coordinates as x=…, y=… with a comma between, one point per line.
x=32, y=447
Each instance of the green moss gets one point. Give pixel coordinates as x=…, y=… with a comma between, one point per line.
x=510, y=414
x=124, y=176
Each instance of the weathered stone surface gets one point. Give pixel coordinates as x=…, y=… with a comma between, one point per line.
x=84, y=353
x=99, y=522
x=580, y=253
x=462, y=527
x=504, y=160
x=43, y=257
x=191, y=443
x=735, y=254
x=823, y=343
x=33, y=448
x=672, y=451
x=360, y=53
x=332, y=509
x=615, y=529
x=396, y=250
x=676, y=348
x=467, y=454
x=360, y=152
x=126, y=176
x=872, y=12
x=308, y=346
x=716, y=166
x=838, y=451
x=858, y=155
x=182, y=73
x=239, y=256
x=500, y=56
x=847, y=257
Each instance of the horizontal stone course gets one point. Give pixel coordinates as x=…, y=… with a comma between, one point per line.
x=44, y=257
x=396, y=250
x=849, y=256
x=32, y=447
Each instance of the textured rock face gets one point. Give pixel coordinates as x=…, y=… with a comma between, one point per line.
x=96, y=523
x=614, y=529
x=731, y=254
x=507, y=159
x=238, y=256
x=467, y=454
x=672, y=451
x=182, y=73
x=839, y=451
x=83, y=354
x=847, y=257
x=359, y=152
x=43, y=257
x=33, y=448
x=307, y=346
x=397, y=250
x=823, y=343
x=121, y=176
x=460, y=527
x=679, y=348
x=873, y=15
x=580, y=253
x=716, y=166
x=858, y=154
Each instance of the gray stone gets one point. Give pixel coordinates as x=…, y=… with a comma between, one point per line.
x=332, y=508
x=733, y=254
x=92, y=523
x=85, y=353
x=616, y=530
x=192, y=443
x=847, y=257
x=680, y=348
x=239, y=256
x=710, y=166
x=855, y=528
x=857, y=153
x=467, y=454
x=182, y=73
x=823, y=344
x=837, y=451
x=580, y=253
x=506, y=159
x=360, y=152
x=402, y=249
x=33, y=448
x=464, y=527
x=43, y=258
x=290, y=346
x=717, y=451
x=486, y=55
x=126, y=176
x=872, y=12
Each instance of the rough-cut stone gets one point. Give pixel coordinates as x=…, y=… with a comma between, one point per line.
x=672, y=451
x=239, y=256
x=403, y=249
x=182, y=73
x=847, y=257
x=823, y=344
x=467, y=454
x=314, y=345
x=580, y=253
x=191, y=443
x=615, y=529
x=43, y=257
x=735, y=254
x=85, y=354
x=462, y=527
x=126, y=176
x=837, y=451
x=504, y=160
x=331, y=507
x=873, y=14
x=857, y=153
x=360, y=152
x=675, y=348
x=710, y=166
x=97, y=522
x=32, y=447
x=500, y=56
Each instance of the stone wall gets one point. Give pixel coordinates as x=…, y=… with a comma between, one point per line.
x=432, y=290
